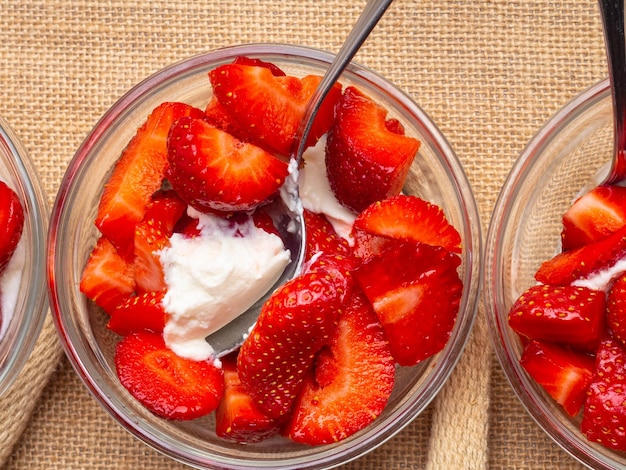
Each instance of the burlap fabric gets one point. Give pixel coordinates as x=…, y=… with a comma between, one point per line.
x=489, y=73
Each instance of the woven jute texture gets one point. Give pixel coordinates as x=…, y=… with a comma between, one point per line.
x=488, y=72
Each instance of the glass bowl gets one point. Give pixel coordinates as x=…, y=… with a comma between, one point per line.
x=23, y=284
x=436, y=176
x=565, y=158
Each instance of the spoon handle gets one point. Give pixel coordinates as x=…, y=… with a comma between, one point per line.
x=366, y=22
x=612, y=13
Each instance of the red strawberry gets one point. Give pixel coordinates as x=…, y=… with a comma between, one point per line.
x=616, y=309
x=137, y=175
x=107, y=278
x=402, y=218
x=415, y=291
x=564, y=374
x=293, y=325
x=604, y=413
x=210, y=169
x=168, y=385
x=593, y=216
x=351, y=383
x=335, y=267
x=321, y=236
x=151, y=235
x=581, y=263
x=276, y=71
x=269, y=108
x=365, y=160
x=139, y=313
x=237, y=418
x=12, y=223
x=560, y=314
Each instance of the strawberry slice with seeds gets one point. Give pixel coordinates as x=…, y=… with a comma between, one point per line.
x=415, y=291
x=293, y=325
x=151, y=235
x=237, y=418
x=275, y=69
x=584, y=262
x=604, y=413
x=168, y=385
x=564, y=374
x=12, y=223
x=367, y=160
x=107, y=278
x=351, y=382
x=137, y=175
x=561, y=314
x=321, y=236
x=143, y=312
x=406, y=218
x=616, y=309
x=212, y=170
x=269, y=108
x=593, y=216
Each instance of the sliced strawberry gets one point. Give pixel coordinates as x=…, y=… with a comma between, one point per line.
x=139, y=313
x=11, y=223
x=582, y=263
x=210, y=169
x=402, y=218
x=237, y=418
x=335, y=267
x=276, y=71
x=107, y=278
x=593, y=216
x=365, y=160
x=415, y=291
x=564, y=374
x=293, y=325
x=321, y=236
x=151, y=235
x=616, y=309
x=137, y=175
x=604, y=413
x=169, y=386
x=561, y=314
x=351, y=383
x=269, y=108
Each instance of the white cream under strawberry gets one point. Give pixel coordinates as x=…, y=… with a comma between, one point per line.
x=214, y=277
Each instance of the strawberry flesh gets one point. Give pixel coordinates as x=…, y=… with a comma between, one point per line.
x=321, y=236
x=168, y=385
x=616, y=309
x=351, y=382
x=11, y=223
x=143, y=312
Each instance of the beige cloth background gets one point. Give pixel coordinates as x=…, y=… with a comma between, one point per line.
x=488, y=72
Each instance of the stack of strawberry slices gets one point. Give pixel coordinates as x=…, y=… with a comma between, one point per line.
x=319, y=364
x=573, y=323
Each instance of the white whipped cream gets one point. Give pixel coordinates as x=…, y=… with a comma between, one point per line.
x=214, y=277
x=317, y=195
x=10, y=285
x=602, y=280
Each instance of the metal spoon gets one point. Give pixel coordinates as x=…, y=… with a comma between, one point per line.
x=286, y=211
x=612, y=13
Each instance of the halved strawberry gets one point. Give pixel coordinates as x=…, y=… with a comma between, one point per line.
x=616, y=309
x=366, y=160
x=142, y=312
x=321, y=236
x=415, y=291
x=293, y=325
x=564, y=374
x=582, y=263
x=402, y=218
x=168, y=385
x=560, y=314
x=210, y=169
x=107, y=278
x=269, y=108
x=11, y=223
x=336, y=267
x=593, y=216
x=275, y=69
x=604, y=413
x=350, y=383
x=151, y=235
x=237, y=418
x=137, y=175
